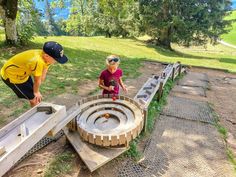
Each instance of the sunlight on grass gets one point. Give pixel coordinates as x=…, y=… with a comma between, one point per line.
x=96, y=48
x=231, y=36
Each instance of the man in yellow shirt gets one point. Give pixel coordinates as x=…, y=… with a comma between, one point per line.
x=17, y=71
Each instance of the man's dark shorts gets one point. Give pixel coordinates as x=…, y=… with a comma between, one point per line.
x=24, y=90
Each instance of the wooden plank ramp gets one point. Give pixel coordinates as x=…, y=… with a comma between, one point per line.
x=93, y=156
x=19, y=136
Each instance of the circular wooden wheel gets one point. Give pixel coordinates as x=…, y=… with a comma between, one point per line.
x=105, y=122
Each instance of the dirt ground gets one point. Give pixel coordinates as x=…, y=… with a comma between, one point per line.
x=222, y=94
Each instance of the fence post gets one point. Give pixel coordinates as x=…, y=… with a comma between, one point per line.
x=180, y=68
x=145, y=111
x=160, y=90
x=173, y=73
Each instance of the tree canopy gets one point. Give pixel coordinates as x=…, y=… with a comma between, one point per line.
x=185, y=22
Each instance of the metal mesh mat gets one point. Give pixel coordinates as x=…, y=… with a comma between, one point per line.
x=42, y=143
x=193, y=148
x=188, y=109
x=154, y=163
x=199, y=91
x=194, y=80
x=182, y=149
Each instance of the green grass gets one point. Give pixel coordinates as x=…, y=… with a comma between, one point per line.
x=224, y=133
x=231, y=36
x=61, y=164
x=87, y=51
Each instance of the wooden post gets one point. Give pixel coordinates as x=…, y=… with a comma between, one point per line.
x=173, y=74
x=72, y=125
x=180, y=68
x=145, y=111
x=160, y=90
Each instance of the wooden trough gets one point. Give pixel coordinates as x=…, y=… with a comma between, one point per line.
x=18, y=137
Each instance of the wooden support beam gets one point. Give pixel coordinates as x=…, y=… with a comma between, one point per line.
x=180, y=68
x=173, y=74
x=160, y=91
x=93, y=156
x=145, y=111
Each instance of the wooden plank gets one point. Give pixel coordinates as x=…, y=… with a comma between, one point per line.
x=106, y=141
x=85, y=135
x=122, y=139
x=93, y=156
x=128, y=136
x=8, y=159
x=114, y=140
x=98, y=140
x=90, y=138
x=135, y=132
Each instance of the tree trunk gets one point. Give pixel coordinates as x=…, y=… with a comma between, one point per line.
x=164, y=39
x=8, y=11
x=108, y=34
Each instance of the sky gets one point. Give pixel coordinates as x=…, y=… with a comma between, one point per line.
x=234, y=4
x=59, y=13
x=64, y=13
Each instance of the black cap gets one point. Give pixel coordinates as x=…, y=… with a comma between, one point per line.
x=55, y=50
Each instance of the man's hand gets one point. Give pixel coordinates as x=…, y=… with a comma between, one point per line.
x=38, y=97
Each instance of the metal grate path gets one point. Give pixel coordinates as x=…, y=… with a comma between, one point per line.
x=154, y=163
x=42, y=143
x=188, y=109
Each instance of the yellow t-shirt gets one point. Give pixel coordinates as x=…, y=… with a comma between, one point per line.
x=18, y=68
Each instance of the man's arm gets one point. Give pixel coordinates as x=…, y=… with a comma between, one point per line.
x=36, y=86
x=44, y=74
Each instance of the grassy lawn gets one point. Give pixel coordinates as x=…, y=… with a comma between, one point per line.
x=231, y=36
x=86, y=60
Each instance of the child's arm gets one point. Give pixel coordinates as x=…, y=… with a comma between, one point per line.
x=102, y=86
x=44, y=74
x=122, y=85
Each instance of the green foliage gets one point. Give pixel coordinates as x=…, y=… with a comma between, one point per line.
x=27, y=21
x=61, y=164
x=231, y=36
x=185, y=22
x=50, y=24
x=106, y=17
x=133, y=150
x=117, y=17
x=156, y=107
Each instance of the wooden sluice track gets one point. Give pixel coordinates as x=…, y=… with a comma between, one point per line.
x=85, y=122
